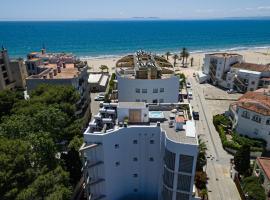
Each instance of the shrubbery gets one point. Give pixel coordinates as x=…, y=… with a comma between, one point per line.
x=221, y=123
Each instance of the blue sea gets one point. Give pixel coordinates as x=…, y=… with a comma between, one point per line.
x=109, y=38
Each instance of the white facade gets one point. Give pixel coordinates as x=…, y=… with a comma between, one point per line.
x=253, y=124
x=139, y=161
x=163, y=90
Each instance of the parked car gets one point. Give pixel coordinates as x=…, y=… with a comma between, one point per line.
x=100, y=97
x=188, y=85
x=196, y=115
x=190, y=95
x=231, y=91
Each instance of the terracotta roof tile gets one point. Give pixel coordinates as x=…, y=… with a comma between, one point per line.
x=255, y=101
x=265, y=165
x=252, y=67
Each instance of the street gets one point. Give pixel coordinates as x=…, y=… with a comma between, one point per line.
x=220, y=184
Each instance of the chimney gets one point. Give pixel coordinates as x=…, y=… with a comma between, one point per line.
x=54, y=72
x=58, y=69
x=64, y=65
x=51, y=75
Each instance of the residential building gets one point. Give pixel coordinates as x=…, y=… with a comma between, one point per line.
x=251, y=114
x=231, y=72
x=135, y=150
x=12, y=72
x=60, y=69
x=98, y=81
x=262, y=170
x=144, y=77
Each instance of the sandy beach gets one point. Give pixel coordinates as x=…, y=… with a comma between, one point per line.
x=261, y=56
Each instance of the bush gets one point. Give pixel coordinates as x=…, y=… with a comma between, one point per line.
x=251, y=186
x=200, y=180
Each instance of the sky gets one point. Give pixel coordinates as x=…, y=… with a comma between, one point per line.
x=125, y=9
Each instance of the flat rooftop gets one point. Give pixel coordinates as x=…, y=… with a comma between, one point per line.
x=51, y=71
x=159, y=115
x=224, y=55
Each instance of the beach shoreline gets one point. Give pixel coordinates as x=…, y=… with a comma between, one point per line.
x=258, y=56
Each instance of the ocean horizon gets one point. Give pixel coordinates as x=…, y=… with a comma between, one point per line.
x=98, y=39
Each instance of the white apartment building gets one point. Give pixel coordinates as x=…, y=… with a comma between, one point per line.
x=144, y=77
x=231, y=72
x=251, y=115
x=135, y=150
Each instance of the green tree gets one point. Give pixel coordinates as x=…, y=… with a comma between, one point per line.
x=201, y=159
x=48, y=186
x=191, y=61
x=253, y=188
x=104, y=67
x=16, y=167
x=168, y=54
x=175, y=57
x=242, y=159
x=7, y=100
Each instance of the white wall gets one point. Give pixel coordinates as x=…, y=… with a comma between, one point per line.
x=249, y=127
x=127, y=89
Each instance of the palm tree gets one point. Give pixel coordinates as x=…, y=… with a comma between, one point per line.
x=175, y=57
x=187, y=55
x=201, y=159
x=168, y=54
x=104, y=67
x=204, y=194
x=183, y=55
x=191, y=61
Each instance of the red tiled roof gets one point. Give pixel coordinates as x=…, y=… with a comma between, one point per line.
x=255, y=101
x=252, y=67
x=265, y=165
x=180, y=119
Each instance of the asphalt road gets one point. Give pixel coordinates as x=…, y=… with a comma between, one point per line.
x=220, y=184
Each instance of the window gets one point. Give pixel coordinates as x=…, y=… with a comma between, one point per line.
x=183, y=182
x=144, y=100
x=182, y=196
x=135, y=190
x=137, y=90
x=161, y=90
x=155, y=101
x=116, y=146
x=253, y=82
x=144, y=90
x=256, y=118
x=151, y=159
x=137, y=100
x=168, y=177
x=135, y=141
x=135, y=175
x=246, y=114
x=135, y=159
x=161, y=100
x=155, y=90
x=169, y=159
x=152, y=141
x=268, y=121
x=185, y=163
x=117, y=163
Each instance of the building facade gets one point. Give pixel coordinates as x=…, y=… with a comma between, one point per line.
x=231, y=72
x=60, y=69
x=262, y=170
x=138, y=151
x=144, y=77
x=12, y=72
x=251, y=115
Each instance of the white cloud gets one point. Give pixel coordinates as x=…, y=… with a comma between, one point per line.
x=263, y=8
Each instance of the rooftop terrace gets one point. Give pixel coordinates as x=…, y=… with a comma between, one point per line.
x=174, y=119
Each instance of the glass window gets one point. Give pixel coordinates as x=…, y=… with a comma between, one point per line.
x=144, y=90
x=184, y=182
x=246, y=114
x=185, y=163
x=135, y=159
x=117, y=163
x=169, y=159
x=155, y=90
x=135, y=175
x=137, y=100
x=161, y=90
x=256, y=118
x=152, y=141
x=116, y=146
x=138, y=90
x=135, y=141
x=161, y=100
x=151, y=159
x=268, y=121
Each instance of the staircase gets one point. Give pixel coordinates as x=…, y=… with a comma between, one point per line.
x=212, y=73
x=241, y=87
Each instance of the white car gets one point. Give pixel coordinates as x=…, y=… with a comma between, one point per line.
x=188, y=85
x=100, y=97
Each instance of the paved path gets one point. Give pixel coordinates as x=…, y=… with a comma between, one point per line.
x=220, y=184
